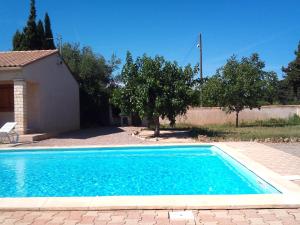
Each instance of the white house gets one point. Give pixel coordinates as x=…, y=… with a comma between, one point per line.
x=38, y=91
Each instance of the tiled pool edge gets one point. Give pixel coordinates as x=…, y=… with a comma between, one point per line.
x=290, y=197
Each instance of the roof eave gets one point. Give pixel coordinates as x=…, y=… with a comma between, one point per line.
x=10, y=68
x=45, y=56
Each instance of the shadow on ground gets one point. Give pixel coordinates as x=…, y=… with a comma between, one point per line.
x=184, y=133
x=192, y=132
x=90, y=133
x=196, y=131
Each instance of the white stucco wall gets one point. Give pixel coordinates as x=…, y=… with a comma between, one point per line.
x=7, y=75
x=56, y=96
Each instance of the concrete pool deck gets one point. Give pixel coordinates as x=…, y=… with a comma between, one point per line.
x=152, y=217
x=290, y=196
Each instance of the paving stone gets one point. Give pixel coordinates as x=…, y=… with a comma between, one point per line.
x=152, y=217
x=275, y=223
x=269, y=217
x=70, y=222
x=116, y=223
x=132, y=221
x=87, y=219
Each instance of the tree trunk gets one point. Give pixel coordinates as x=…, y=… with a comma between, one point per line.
x=157, y=127
x=237, y=119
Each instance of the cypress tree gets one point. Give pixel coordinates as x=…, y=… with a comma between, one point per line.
x=31, y=36
x=34, y=36
x=18, y=41
x=49, y=43
x=40, y=35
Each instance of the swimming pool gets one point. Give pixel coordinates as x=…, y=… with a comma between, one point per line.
x=126, y=171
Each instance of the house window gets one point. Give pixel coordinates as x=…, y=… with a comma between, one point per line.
x=6, y=98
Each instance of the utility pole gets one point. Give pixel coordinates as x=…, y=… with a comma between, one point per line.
x=200, y=65
x=59, y=38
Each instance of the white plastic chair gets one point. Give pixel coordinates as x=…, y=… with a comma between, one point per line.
x=7, y=131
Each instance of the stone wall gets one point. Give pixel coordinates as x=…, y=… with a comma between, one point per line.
x=214, y=115
x=20, y=101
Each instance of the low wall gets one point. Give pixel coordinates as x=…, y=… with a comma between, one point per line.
x=214, y=115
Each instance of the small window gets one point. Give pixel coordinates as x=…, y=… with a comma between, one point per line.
x=6, y=98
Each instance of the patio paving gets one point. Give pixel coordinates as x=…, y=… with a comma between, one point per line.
x=290, y=148
x=152, y=217
x=281, y=158
x=96, y=136
x=276, y=158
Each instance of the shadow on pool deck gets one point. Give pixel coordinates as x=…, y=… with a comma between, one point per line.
x=90, y=133
x=94, y=136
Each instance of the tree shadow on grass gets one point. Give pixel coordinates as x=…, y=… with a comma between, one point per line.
x=196, y=131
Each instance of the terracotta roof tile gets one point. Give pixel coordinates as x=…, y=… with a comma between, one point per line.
x=22, y=58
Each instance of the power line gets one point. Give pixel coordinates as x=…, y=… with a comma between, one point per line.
x=190, y=51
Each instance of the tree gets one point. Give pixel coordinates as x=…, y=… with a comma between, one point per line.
x=18, y=41
x=30, y=32
x=212, y=91
x=34, y=36
x=286, y=94
x=293, y=74
x=41, y=35
x=94, y=75
x=125, y=97
x=239, y=84
x=49, y=41
x=270, y=88
x=154, y=88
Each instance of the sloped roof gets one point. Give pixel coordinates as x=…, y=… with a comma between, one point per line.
x=23, y=58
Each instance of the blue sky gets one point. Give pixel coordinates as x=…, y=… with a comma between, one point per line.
x=169, y=28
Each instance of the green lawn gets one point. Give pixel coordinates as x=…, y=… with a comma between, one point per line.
x=273, y=129
x=246, y=133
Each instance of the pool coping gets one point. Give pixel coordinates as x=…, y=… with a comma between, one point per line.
x=289, y=197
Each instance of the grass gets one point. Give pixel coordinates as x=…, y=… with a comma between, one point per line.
x=273, y=129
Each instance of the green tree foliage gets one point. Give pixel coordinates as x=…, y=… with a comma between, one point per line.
x=35, y=36
x=154, y=88
x=240, y=84
x=94, y=75
x=286, y=94
x=19, y=41
x=212, y=91
x=49, y=41
x=270, y=88
x=125, y=97
x=292, y=78
x=41, y=34
x=30, y=31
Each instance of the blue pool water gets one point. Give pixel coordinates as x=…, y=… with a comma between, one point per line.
x=151, y=170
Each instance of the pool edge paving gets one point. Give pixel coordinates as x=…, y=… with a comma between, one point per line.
x=290, y=197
